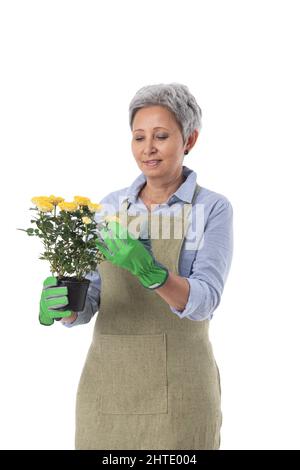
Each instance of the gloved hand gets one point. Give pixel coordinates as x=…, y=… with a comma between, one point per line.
x=122, y=249
x=52, y=298
x=147, y=244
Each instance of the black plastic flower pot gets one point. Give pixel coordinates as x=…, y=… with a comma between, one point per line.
x=77, y=290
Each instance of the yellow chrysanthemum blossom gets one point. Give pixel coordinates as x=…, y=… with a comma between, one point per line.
x=82, y=201
x=68, y=206
x=95, y=207
x=45, y=206
x=40, y=199
x=86, y=220
x=55, y=200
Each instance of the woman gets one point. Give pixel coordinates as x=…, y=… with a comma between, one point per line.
x=150, y=380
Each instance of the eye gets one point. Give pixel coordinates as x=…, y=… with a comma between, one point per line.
x=158, y=136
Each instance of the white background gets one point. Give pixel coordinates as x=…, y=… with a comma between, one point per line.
x=68, y=72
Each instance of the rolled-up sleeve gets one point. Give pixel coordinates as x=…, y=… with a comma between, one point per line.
x=92, y=302
x=211, y=265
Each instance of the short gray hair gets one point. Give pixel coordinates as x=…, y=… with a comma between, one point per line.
x=174, y=96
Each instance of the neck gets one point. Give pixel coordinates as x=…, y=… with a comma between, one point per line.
x=157, y=192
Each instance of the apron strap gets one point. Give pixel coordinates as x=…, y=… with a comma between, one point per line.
x=124, y=205
x=197, y=190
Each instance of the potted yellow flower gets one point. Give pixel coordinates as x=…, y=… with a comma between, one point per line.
x=68, y=231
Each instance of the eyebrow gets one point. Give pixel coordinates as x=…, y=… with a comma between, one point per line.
x=159, y=127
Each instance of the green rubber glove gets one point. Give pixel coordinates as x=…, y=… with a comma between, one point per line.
x=53, y=298
x=122, y=249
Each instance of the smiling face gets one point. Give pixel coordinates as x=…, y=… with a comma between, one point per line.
x=156, y=137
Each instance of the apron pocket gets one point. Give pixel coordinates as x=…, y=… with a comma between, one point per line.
x=133, y=374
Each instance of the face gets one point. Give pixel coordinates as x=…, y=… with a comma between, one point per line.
x=157, y=139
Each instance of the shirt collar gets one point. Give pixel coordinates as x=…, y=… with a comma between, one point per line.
x=184, y=193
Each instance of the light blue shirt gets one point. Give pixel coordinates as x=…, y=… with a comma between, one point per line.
x=206, y=268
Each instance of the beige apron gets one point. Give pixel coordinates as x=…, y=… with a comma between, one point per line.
x=150, y=380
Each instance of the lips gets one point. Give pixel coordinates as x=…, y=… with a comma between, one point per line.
x=152, y=162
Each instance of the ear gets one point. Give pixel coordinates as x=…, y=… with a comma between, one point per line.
x=191, y=140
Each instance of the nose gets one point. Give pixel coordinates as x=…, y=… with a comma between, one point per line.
x=149, y=147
